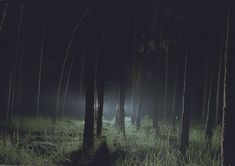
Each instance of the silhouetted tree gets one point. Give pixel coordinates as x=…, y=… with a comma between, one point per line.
x=90, y=83
x=185, y=118
x=100, y=92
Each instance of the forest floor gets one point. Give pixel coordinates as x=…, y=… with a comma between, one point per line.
x=40, y=141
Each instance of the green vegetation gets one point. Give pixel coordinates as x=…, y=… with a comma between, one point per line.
x=36, y=142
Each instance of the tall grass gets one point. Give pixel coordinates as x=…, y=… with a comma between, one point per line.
x=144, y=147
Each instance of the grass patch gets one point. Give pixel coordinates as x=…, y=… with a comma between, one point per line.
x=48, y=143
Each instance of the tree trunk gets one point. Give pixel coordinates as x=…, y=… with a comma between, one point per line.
x=9, y=96
x=139, y=112
x=166, y=85
x=90, y=83
x=184, y=134
x=227, y=158
x=41, y=60
x=100, y=87
x=210, y=113
x=122, y=105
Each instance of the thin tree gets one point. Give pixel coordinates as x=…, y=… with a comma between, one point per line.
x=184, y=133
x=185, y=117
x=176, y=81
x=207, y=68
x=9, y=95
x=228, y=106
x=165, y=46
x=210, y=113
x=41, y=59
x=100, y=93
x=121, y=120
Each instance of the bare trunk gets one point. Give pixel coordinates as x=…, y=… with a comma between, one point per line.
x=227, y=128
x=91, y=50
x=100, y=87
x=40, y=62
x=184, y=134
x=166, y=86
x=210, y=116
x=138, y=112
x=9, y=95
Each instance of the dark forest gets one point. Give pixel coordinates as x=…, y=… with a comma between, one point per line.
x=117, y=82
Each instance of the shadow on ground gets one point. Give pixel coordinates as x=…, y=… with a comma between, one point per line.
x=101, y=157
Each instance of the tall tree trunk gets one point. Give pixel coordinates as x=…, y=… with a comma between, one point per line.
x=210, y=112
x=9, y=95
x=90, y=92
x=138, y=112
x=173, y=107
x=122, y=105
x=185, y=118
x=184, y=134
x=166, y=85
x=41, y=59
x=121, y=110
x=227, y=158
x=100, y=95
x=177, y=70
x=99, y=86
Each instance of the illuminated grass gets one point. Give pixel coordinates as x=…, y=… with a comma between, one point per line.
x=142, y=147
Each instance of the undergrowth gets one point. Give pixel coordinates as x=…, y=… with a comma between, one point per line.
x=53, y=143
